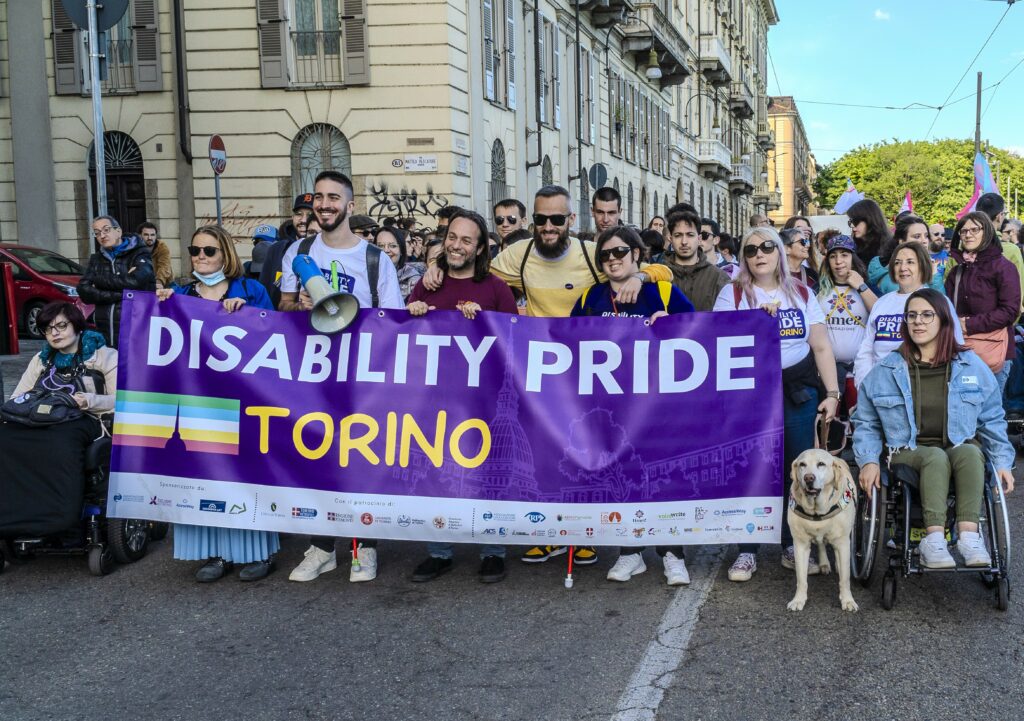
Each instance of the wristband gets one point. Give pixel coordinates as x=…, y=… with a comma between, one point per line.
x=832, y=394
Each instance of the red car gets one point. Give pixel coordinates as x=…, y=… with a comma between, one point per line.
x=40, y=276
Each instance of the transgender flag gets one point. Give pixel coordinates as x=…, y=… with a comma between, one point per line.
x=848, y=198
x=983, y=183
x=908, y=204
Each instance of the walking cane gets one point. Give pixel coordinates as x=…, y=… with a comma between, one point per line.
x=355, y=555
x=568, y=576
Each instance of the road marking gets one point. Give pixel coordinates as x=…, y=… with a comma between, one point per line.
x=656, y=670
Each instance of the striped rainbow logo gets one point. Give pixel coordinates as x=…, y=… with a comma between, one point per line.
x=206, y=425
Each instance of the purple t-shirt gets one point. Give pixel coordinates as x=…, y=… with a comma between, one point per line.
x=492, y=293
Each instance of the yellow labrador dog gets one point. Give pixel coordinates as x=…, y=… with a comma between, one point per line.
x=822, y=507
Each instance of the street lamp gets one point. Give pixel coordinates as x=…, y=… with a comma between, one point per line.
x=653, y=71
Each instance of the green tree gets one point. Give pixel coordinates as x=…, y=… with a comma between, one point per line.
x=939, y=175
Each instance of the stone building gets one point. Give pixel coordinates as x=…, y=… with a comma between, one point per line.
x=791, y=165
x=423, y=104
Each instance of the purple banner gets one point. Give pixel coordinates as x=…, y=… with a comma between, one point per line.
x=442, y=428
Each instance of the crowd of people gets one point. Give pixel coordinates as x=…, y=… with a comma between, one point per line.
x=888, y=319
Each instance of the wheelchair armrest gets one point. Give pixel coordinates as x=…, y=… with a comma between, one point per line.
x=905, y=474
x=98, y=454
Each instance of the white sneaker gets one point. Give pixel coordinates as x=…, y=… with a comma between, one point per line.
x=743, y=567
x=972, y=548
x=675, y=570
x=317, y=561
x=934, y=552
x=627, y=566
x=367, y=568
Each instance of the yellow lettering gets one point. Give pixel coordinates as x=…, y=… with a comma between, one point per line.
x=265, y=413
x=391, y=442
x=485, y=443
x=300, y=445
x=347, y=443
x=411, y=429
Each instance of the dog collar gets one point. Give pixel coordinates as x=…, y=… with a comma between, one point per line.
x=849, y=493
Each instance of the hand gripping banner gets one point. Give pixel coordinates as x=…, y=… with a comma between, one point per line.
x=502, y=429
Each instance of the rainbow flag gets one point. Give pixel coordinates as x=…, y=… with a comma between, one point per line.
x=205, y=424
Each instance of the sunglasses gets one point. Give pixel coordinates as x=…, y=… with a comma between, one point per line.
x=208, y=250
x=749, y=251
x=705, y=235
x=618, y=253
x=801, y=241
x=363, y=232
x=505, y=219
x=541, y=219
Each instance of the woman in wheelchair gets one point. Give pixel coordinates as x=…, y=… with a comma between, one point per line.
x=42, y=467
x=926, y=402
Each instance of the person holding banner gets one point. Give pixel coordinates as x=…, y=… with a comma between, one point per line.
x=351, y=265
x=617, y=253
x=219, y=277
x=764, y=282
x=469, y=288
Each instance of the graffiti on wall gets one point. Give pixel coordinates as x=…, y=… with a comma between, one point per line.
x=385, y=202
x=239, y=220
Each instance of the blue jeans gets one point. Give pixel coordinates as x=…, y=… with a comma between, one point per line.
x=798, y=435
x=446, y=550
x=1013, y=399
x=1004, y=375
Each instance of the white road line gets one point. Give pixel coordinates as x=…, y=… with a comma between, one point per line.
x=656, y=670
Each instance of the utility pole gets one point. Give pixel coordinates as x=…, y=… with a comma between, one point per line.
x=977, y=120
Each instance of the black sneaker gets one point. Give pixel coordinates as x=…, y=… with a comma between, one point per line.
x=257, y=570
x=431, y=569
x=213, y=570
x=492, y=569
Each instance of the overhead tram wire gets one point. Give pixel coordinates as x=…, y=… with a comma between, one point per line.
x=938, y=112
x=775, y=74
x=997, y=84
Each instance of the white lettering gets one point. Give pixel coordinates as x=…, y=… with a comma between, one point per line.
x=401, y=358
x=433, y=344
x=590, y=368
x=315, y=366
x=667, y=381
x=728, y=363
x=536, y=368
x=195, y=330
x=153, y=355
x=474, y=357
x=641, y=359
x=273, y=355
x=344, y=350
x=363, y=372
x=232, y=356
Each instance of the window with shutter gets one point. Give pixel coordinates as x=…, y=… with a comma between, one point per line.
x=149, y=75
x=510, y=54
x=272, y=34
x=488, y=7
x=542, y=88
x=67, y=56
x=357, y=54
x=591, y=104
x=556, y=74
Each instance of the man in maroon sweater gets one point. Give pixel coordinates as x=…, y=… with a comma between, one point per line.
x=470, y=288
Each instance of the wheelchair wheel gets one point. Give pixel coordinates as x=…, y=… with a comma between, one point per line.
x=127, y=538
x=1003, y=593
x=888, y=590
x=867, y=534
x=158, y=530
x=101, y=560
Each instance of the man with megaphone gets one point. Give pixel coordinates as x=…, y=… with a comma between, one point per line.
x=351, y=275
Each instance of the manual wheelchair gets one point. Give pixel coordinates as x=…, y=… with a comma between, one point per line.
x=889, y=526
x=103, y=540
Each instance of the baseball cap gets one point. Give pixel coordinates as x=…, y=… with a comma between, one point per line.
x=303, y=202
x=265, y=232
x=841, y=242
x=361, y=222
x=259, y=256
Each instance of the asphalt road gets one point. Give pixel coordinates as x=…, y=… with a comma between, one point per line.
x=149, y=642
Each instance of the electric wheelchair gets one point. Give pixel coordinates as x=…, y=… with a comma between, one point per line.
x=889, y=526
x=102, y=540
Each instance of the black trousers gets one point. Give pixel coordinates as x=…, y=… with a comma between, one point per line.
x=676, y=551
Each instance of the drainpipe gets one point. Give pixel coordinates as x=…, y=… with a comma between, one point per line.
x=579, y=106
x=536, y=75
x=179, y=74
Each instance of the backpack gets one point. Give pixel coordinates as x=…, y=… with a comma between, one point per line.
x=373, y=254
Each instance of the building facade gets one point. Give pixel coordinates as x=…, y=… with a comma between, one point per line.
x=791, y=165
x=423, y=104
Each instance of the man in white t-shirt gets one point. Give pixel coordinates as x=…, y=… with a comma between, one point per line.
x=342, y=257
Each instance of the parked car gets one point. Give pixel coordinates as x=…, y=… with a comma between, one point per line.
x=40, y=276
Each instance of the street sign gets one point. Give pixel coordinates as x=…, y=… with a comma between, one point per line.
x=421, y=163
x=598, y=176
x=108, y=12
x=218, y=154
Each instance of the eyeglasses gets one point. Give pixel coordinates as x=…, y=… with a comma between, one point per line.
x=56, y=328
x=618, y=253
x=705, y=235
x=925, y=316
x=208, y=250
x=974, y=230
x=750, y=250
x=541, y=219
x=104, y=231
x=505, y=220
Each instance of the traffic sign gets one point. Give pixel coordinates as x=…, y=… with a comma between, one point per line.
x=108, y=12
x=598, y=176
x=218, y=155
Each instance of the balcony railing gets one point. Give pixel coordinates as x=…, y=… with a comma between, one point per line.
x=669, y=41
x=318, y=60
x=741, y=100
x=120, y=67
x=715, y=62
x=742, y=179
x=714, y=159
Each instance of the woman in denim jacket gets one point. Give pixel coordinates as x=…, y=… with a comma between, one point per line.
x=926, y=402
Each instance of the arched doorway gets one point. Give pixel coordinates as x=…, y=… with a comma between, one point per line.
x=126, y=181
x=316, y=148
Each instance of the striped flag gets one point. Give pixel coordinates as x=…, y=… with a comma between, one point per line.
x=983, y=183
x=908, y=204
x=848, y=198
x=206, y=425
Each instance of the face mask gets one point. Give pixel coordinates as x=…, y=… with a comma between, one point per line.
x=210, y=279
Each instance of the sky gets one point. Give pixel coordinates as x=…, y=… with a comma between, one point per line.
x=894, y=53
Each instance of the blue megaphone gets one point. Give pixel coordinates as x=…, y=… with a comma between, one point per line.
x=333, y=311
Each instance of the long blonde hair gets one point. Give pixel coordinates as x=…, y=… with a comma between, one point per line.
x=745, y=281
